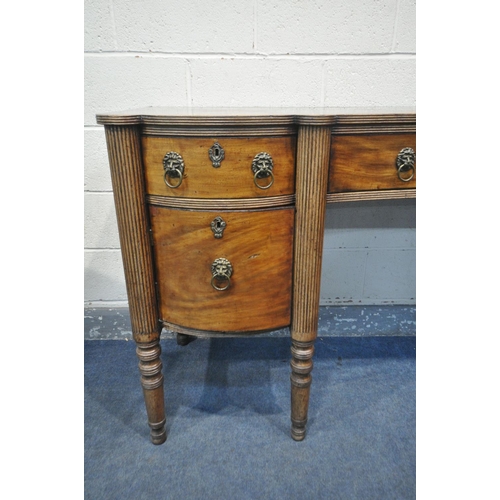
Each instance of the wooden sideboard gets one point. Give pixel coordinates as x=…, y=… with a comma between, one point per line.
x=221, y=219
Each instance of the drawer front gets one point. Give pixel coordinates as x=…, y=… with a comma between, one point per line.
x=258, y=244
x=233, y=178
x=368, y=162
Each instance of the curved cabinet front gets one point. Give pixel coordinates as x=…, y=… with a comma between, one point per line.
x=219, y=167
x=254, y=296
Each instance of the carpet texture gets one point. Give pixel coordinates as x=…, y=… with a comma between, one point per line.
x=228, y=421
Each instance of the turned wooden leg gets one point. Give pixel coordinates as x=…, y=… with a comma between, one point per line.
x=301, y=378
x=152, y=384
x=125, y=161
x=313, y=153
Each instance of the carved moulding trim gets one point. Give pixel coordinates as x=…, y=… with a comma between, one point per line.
x=375, y=124
x=301, y=363
x=395, y=129
x=221, y=203
x=210, y=333
x=150, y=364
x=389, y=194
x=193, y=131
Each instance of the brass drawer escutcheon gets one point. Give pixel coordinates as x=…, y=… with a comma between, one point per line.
x=173, y=166
x=262, y=167
x=218, y=225
x=221, y=272
x=405, y=162
x=216, y=154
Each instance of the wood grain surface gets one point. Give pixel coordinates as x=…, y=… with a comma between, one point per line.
x=345, y=117
x=273, y=237
x=313, y=150
x=131, y=213
x=312, y=178
x=368, y=162
x=259, y=245
x=233, y=179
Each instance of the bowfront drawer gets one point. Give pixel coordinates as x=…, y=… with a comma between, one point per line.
x=372, y=162
x=223, y=271
x=231, y=167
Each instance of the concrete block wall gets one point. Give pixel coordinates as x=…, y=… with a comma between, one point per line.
x=254, y=53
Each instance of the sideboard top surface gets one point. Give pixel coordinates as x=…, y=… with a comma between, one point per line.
x=212, y=116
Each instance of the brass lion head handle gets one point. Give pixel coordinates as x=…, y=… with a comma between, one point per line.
x=173, y=166
x=221, y=274
x=262, y=168
x=405, y=162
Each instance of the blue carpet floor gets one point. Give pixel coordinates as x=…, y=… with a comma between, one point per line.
x=228, y=421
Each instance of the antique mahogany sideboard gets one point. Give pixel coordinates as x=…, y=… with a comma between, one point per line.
x=221, y=218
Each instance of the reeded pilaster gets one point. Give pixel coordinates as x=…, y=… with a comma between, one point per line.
x=124, y=151
x=313, y=154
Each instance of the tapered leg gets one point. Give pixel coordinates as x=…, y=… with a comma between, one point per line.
x=313, y=154
x=152, y=385
x=124, y=151
x=301, y=379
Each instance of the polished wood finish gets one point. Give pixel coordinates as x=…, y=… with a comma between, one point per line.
x=349, y=123
x=312, y=178
x=128, y=188
x=150, y=366
x=343, y=118
x=368, y=162
x=218, y=130
x=301, y=379
x=259, y=246
x=386, y=194
x=221, y=203
x=273, y=238
x=234, y=177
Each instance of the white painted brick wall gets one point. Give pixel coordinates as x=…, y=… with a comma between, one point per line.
x=249, y=53
x=369, y=253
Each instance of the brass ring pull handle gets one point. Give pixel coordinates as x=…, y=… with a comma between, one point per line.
x=404, y=168
x=221, y=272
x=262, y=167
x=405, y=162
x=173, y=165
x=259, y=175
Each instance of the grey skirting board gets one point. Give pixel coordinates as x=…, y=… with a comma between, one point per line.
x=105, y=323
